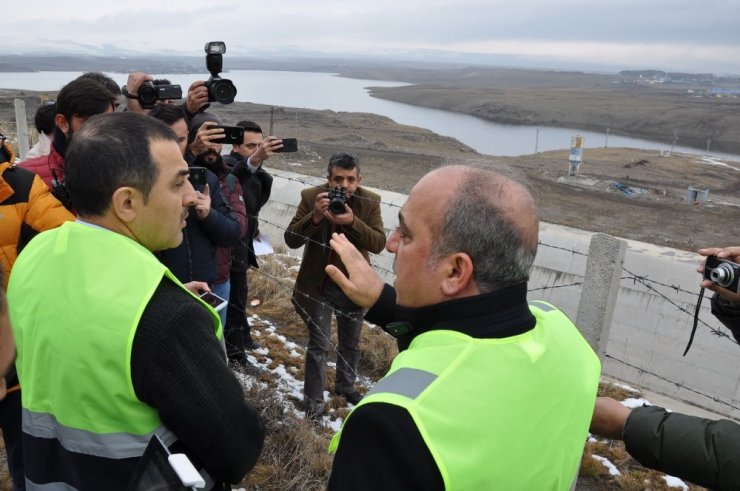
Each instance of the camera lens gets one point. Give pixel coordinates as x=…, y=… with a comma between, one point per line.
x=723, y=275
x=148, y=95
x=223, y=91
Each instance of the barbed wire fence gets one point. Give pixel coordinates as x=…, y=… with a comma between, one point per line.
x=649, y=285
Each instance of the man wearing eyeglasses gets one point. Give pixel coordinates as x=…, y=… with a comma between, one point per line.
x=246, y=161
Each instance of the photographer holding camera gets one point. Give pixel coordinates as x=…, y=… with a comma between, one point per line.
x=700, y=450
x=315, y=295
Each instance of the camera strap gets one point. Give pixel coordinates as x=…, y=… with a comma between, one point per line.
x=696, y=321
x=127, y=94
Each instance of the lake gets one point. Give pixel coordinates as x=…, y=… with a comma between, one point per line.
x=328, y=91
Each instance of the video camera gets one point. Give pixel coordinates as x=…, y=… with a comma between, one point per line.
x=219, y=89
x=152, y=91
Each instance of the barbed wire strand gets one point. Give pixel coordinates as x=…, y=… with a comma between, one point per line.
x=679, y=385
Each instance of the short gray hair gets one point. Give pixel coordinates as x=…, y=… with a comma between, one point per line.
x=475, y=224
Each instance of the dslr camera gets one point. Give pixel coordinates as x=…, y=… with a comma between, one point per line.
x=337, y=200
x=152, y=91
x=219, y=89
x=723, y=273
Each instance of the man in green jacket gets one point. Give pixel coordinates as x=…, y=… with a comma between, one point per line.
x=700, y=450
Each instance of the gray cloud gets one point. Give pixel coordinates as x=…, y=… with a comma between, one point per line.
x=673, y=34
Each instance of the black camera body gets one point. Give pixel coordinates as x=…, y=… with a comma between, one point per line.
x=219, y=89
x=723, y=273
x=337, y=200
x=150, y=93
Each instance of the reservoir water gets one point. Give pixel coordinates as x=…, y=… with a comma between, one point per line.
x=327, y=91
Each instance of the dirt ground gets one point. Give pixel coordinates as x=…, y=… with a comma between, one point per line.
x=394, y=157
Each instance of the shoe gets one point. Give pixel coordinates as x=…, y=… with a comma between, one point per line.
x=353, y=397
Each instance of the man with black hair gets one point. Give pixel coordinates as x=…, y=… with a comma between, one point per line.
x=112, y=348
x=219, y=218
x=245, y=161
x=79, y=100
x=315, y=296
x=106, y=82
x=43, y=121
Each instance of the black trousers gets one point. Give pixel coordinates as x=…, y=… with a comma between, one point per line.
x=236, y=330
x=10, y=423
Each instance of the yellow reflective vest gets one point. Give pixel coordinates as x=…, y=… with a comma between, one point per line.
x=509, y=414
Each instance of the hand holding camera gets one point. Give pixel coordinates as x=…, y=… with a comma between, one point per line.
x=721, y=272
x=142, y=92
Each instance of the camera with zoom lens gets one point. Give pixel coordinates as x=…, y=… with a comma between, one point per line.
x=152, y=91
x=337, y=200
x=723, y=273
x=219, y=89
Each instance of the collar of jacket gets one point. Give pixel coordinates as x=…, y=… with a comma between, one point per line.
x=6, y=154
x=498, y=314
x=59, y=142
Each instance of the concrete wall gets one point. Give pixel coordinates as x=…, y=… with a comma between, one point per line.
x=647, y=332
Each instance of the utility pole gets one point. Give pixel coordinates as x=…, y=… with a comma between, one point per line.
x=537, y=140
x=606, y=140
x=675, y=139
x=709, y=143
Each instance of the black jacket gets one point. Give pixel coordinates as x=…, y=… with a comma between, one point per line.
x=256, y=187
x=381, y=446
x=195, y=258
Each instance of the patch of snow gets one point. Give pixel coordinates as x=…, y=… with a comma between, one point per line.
x=294, y=354
x=633, y=403
x=715, y=161
x=674, y=482
x=612, y=468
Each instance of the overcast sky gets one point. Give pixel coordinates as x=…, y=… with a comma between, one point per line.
x=678, y=35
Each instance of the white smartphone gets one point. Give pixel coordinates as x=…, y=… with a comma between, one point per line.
x=214, y=301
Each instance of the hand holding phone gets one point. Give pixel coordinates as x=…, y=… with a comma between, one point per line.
x=289, y=145
x=214, y=301
x=233, y=135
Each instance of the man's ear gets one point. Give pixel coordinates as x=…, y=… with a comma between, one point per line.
x=458, y=280
x=126, y=203
x=359, y=180
x=62, y=123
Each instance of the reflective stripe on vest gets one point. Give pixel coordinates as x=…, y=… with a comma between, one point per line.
x=108, y=445
x=407, y=382
x=510, y=413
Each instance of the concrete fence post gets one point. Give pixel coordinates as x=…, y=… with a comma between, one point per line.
x=21, y=126
x=600, y=289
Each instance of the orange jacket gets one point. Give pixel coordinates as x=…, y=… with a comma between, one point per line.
x=26, y=208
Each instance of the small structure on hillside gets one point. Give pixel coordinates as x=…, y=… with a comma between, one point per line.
x=697, y=196
x=576, y=154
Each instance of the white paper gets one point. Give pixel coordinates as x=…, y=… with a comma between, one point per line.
x=262, y=246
